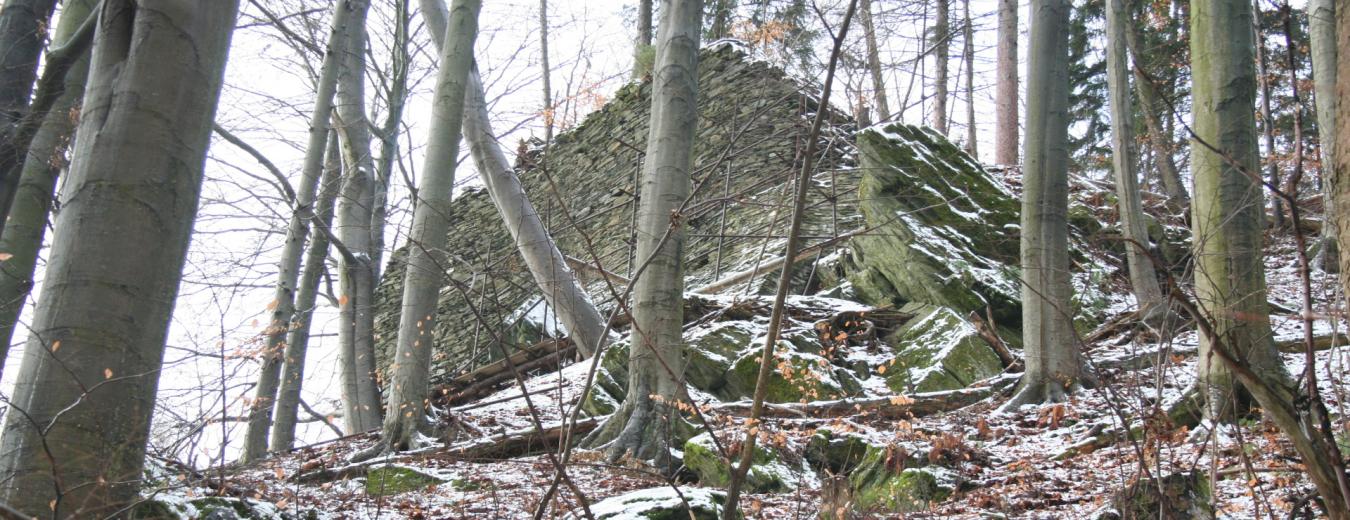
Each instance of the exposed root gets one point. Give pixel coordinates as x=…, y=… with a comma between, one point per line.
x=638, y=430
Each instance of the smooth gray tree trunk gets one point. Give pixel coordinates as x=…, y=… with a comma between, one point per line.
x=1160, y=137
x=356, y=331
x=1227, y=206
x=546, y=71
x=306, y=296
x=1005, y=89
x=968, y=35
x=1143, y=279
x=941, y=51
x=27, y=224
x=642, y=426
x=1322, y=34
x=874, y=62
x=23, y=30
x=1051, y=350
x=425, y=272
x=297, y=233
x=644, y=36
x=80, y=417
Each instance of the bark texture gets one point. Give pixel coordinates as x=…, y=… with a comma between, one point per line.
x=297, y=233
x=1322, y=36
x=1143, y=280
x=23, y=26
x=642, y=426
x=425, y=273
x=26, y=227
x=1226, y=210
x=1005, y=94
x=941, y=52
x=356, y=330
x=80, y=417
x=1052, y=358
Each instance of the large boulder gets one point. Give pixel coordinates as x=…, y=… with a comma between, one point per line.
x=938, y=350
x=795, y=377
x=770, y=470
x=945, y=230
x=881, y=478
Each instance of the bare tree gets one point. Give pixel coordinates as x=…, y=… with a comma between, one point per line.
x=76, y=431
x=874, y=62
x=968, y=36
x=643, y=424
x=941, y=43
x=1006, y=96
x=1151, y=105
x=1052, y=359
x=643, y=43
x=23, y=27
x=1143, y=280
x=297, y=233
x=26, y=226
x=1322, y=33
x=1267, y=120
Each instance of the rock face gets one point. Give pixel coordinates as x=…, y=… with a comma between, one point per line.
x=770, y=472
x=879, y=479
x=946, y=230
x=753, y=120
x=938, y=350
x=1182, y=496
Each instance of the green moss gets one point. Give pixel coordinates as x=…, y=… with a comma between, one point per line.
x=156, y=510
x=795, y=377
x=938, y=350
x=768, y=472
x=913, y=489
x=392, y=480
x=836, y=453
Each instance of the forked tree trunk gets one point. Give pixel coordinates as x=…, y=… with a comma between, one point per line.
x=874, y=62
x=1143, y=279
x=1006, y=96
x=356, y=333
x=297, y=233
x=425, y=266
x=297, y=342
x=23, y=29
x=642, y=426
x=1052, y=359
x=1322, y=33
x=27, y=224
x=941, y=45
x=80, y=418
x=1227, y=207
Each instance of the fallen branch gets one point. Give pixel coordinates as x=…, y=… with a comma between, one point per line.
x=986, y=329
x=773, y=265
x=891, y=407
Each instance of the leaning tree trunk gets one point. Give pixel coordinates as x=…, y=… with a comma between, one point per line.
x=1052, y=359
x=297, y=232
x=1143, y=279
x=1227, y=203
x=27, y=224
x=643, y=424
x=1005, y=90
x=941, y=44
x=356, y=332
x=874, y=62
x=297, y=342
x=77, y=428
x=23, y=28
x=1267, y=121
x=1322, y=33
x=425, y=266
x=1159, y=137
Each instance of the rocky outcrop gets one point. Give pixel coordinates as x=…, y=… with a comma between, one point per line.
x=938, y=350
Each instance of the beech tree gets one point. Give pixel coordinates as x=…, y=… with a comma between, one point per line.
x=1005, y=90
x=1143, y=280
x=1322, y=36
x=941, y=43
x=23, y=27
x=642, y=425
x=874, y=61
x=1227, y=208
x=76, y=432
x=1152, y=106
x=1053, y=364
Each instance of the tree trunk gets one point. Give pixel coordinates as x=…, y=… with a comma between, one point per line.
x=1052, y=359
x=23, y=28
x=723, y=11
x=80, y=417
x=297, y=232
x=1143, y=279
x=27, y=224
x=426, y=268
x=642, y=426
x=1226, y=212
x=297, y=343
x=644, y=37
x=1322, y=33
x=556, y=282
x=1159, y=136
x=356, y=332
x=941, y=42
x=874, y=62
x=1005, y=114
x=1267, y=121
x=968, y=34
x=546, y=71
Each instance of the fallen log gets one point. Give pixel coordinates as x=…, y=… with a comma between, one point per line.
x=773, y=265
x=890, y=407
x=485, y=380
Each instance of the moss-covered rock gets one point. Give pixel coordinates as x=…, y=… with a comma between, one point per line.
x=710, y=350
x=392, y=480
x=946, y=230
x=1183, y=496
x=938, y=350
x=770, y=471
x=172, y=507
x=836, y=453
x=796, y=377
x=662, y=503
